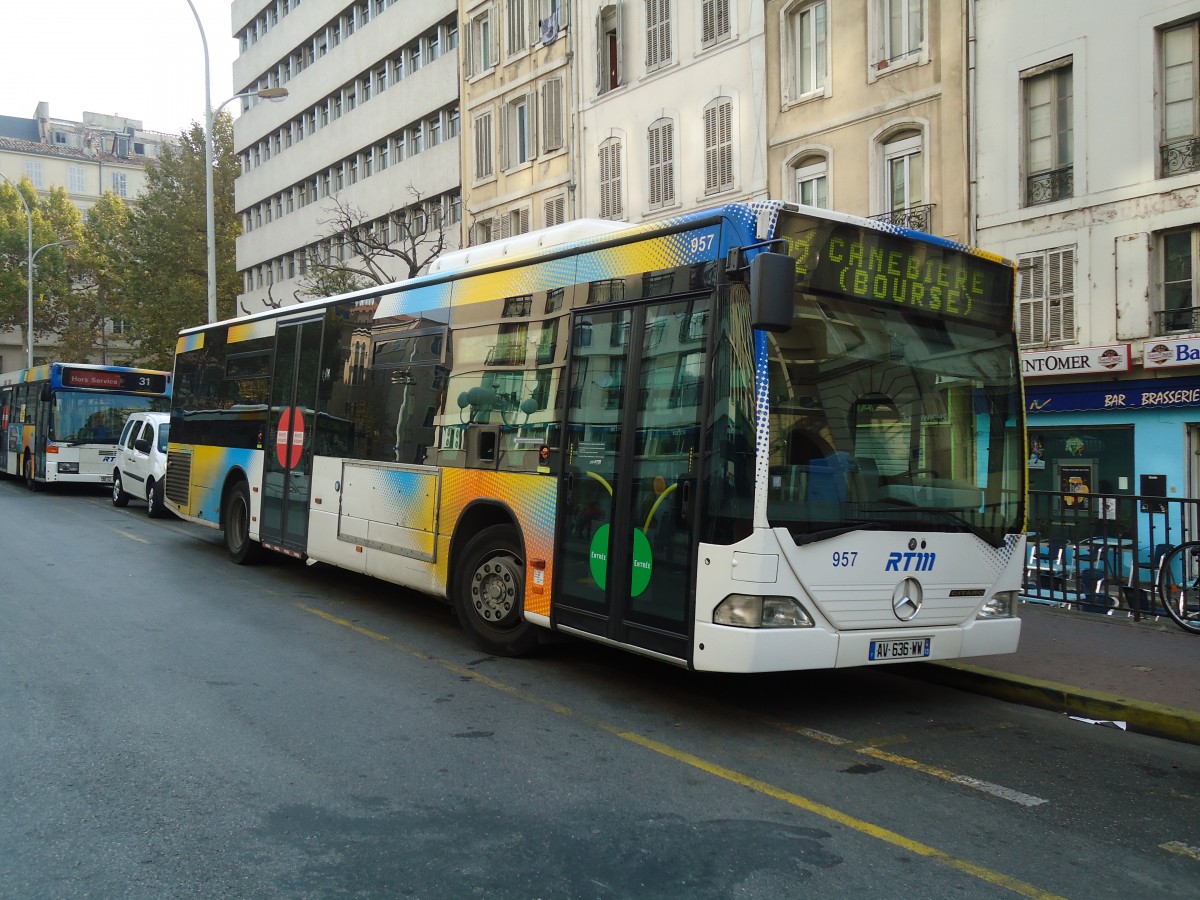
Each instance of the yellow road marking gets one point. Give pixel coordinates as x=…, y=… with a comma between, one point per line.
x=826, y=812
x=130, y=536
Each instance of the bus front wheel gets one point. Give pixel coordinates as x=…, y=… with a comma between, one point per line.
x=489, y=593
x=242, y=550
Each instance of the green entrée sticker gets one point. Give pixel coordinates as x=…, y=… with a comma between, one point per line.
x=643, y=562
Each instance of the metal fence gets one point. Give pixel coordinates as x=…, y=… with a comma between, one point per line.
x=1101, y=553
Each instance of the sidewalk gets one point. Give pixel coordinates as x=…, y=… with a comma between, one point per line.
x=1146, y=674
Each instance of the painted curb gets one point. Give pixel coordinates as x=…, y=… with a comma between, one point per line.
x=1143, y=717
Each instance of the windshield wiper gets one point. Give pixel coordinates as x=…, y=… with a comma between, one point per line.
x=852, y=525
x=957, y=518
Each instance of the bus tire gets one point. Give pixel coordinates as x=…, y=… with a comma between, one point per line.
x=119, y=497
x=489, y=593
x=242, y=550
x=155, y=508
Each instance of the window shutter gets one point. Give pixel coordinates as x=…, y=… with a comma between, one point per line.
x=1031, y=296
x=605, y=183
x=1061, y=295
x=725, y=140
x=620, y=48
x=710, y=150
x=664, y=32
x=668, y=163
x=505, y=130
x=708, y=22
x=651, y=33
x=601, y=48
x=654, y=158
x=552, y=115
x=722, y=24
x=554, y=210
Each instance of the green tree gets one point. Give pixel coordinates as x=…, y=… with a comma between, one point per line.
x=54, y=219
x=102, y=264
x=166, y=282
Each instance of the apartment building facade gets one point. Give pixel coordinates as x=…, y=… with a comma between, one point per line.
x=670, y=106
x=369, y=129
x=868, y=109
x=517, y=74
x=1088, y=174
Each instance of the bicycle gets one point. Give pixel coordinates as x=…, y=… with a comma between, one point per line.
x=1179, y=585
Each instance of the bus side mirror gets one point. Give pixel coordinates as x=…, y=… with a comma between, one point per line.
x=772, y=291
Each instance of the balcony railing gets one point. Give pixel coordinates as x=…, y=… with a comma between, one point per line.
x=1179, y=157
x=1184, y=318
x=916, y=218
x=1046, y=187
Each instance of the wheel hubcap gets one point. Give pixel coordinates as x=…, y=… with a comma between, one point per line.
x=494, y=589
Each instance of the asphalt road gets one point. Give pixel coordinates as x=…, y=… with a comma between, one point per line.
x=172, y=725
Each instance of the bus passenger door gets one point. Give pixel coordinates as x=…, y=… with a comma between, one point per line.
x=626, y=529
x=288, y=454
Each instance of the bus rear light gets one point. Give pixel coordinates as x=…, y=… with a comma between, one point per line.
x=1000, y=606
x=66, y=468
x=752, y=611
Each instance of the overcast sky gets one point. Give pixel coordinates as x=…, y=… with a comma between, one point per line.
x=141, y=59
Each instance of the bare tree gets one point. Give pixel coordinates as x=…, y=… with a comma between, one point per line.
x=412, y=236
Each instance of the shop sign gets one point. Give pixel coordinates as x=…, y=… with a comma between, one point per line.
x=1114, y=396
x=1076, y=361
x=1170, y=354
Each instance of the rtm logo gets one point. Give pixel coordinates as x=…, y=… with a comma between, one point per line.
x=910, y=562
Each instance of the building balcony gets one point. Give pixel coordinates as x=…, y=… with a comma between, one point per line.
x=1179, y=157
x=1181, y=319
x=915, y=218
x=1046, y=187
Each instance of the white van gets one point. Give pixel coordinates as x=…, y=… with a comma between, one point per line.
x=142, y=462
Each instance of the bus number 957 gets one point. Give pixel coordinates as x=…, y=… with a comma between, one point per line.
x=844, y=559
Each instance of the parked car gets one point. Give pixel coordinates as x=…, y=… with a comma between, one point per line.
x=142, y=462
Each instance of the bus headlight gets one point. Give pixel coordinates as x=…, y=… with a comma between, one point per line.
x=65, y=468
x=1000, y=606
x=752, y=611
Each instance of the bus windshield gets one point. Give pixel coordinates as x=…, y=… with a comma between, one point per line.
x=887, y=417
x=82, y=417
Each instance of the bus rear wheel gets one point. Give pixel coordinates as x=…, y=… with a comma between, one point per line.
x=489, y=593
x=242, y=550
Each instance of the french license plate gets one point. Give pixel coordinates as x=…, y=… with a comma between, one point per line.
x=908, y=648
x=107, y=479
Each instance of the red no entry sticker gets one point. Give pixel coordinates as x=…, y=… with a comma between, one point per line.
x=289, y=439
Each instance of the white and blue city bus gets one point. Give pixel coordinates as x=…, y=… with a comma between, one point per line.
x=61, y=421
x=750, y=438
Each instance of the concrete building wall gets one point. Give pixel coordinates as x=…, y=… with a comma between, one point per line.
x=339, y=63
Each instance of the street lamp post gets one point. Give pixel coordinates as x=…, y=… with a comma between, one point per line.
x=68, y=242
x=276, y=93
x=29, y=255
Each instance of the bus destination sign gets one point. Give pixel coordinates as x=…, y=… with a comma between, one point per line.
x=110, y=380
x=882, y=268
